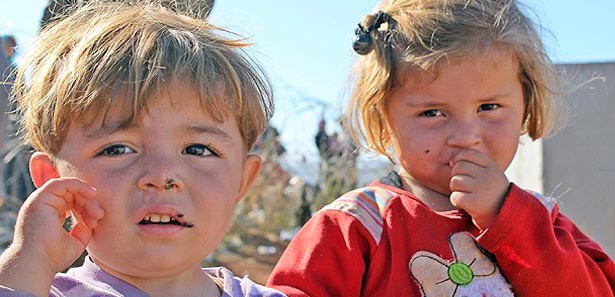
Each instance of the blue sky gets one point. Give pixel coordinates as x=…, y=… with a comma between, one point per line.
x=305, y=47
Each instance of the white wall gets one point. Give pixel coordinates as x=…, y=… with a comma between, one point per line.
x=579, y=161
x=577, y=164
x=526, y=169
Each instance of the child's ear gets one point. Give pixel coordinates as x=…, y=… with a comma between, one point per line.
x=251, y=168
x=42, y=169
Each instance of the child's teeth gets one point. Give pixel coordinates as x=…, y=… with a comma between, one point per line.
x=154, y=218
x=165, y=219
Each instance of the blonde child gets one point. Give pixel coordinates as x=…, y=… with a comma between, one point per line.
x=445, y=88
x=142, y=119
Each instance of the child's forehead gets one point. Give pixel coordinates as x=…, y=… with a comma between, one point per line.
x=495, y=55
x=122, y=109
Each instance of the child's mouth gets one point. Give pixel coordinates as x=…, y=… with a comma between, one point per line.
x=161, y=219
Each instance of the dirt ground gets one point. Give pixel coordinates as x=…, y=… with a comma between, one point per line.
x=247, y=260
x=257, y=268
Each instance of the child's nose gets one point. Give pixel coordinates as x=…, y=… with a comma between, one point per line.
x=464, y=134
x=161, y=175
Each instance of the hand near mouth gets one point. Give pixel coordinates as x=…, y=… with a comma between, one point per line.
x=478, y=186
x=40, y=244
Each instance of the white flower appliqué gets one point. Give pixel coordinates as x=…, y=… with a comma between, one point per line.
x=471, y=273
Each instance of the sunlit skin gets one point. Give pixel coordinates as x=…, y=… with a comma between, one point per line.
x=455, y=131
x=111, y=179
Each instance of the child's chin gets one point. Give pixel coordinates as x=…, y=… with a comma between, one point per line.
x=155, y=231
x=163, y=266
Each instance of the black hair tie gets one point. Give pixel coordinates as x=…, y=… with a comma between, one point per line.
x=363, y=43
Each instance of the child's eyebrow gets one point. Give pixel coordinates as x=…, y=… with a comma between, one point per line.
x=112, y=127
x=495, y=96
x=424, y=104
x=108, y=128
x=430, y=103
x=208, y=129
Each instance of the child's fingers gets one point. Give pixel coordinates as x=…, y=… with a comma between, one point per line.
x=459, y=199
x=472, y=156
x=60, y=204
x=62, y=196
x=464, y=194
x=79, y=189
x=61, y=186
x=89, y=213
x=463, y=183
x=93, y=210
x=66, y=193
x=82, y=233
x=465, y=168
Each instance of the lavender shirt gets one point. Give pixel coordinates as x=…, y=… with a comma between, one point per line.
x=90, y=281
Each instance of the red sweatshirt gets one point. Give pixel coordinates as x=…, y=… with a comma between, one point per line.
x=382, y=241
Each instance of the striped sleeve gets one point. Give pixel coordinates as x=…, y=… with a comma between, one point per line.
x=366, y=205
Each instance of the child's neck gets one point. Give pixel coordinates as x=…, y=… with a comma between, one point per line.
x=205, y=286
x=434, y=200
x=192, y=282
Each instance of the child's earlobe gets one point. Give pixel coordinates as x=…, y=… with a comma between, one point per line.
x=42, y=169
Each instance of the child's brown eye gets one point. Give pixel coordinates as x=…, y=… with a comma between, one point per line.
x=489, y=106
x=430, y=113
x=116, y=150
x=199, y=150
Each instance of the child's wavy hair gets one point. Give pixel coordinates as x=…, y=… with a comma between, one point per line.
x=424, y=33
x=134, y=48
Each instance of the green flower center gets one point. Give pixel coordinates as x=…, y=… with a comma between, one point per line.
x=460, y=274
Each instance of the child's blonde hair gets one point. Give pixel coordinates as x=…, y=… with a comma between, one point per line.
x=422, y=34
x=134, y=49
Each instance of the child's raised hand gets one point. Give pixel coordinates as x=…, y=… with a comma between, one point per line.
x=39, y=231
x=478, y=186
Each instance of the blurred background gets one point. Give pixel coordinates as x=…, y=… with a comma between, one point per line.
x=305, y=48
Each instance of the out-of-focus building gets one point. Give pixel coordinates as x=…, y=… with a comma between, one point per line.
x=577, y=164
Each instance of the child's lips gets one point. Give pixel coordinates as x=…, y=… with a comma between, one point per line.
x=161, y=215
x=162, y=219
x=158, y=231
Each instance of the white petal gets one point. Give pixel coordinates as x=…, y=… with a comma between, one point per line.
x=431, y=272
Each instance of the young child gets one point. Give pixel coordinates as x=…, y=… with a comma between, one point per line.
x=445, y=89
x=142, y=119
